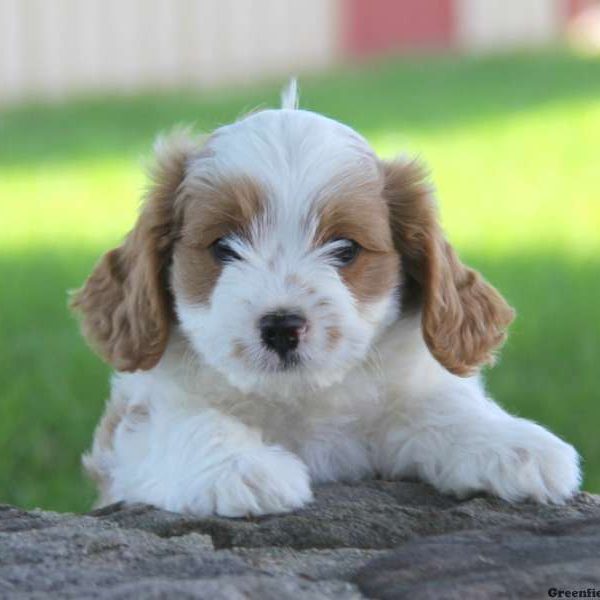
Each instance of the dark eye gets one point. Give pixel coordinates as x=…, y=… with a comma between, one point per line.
x=345, y=251
x=223, y=252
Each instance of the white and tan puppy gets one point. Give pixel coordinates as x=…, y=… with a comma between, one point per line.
x=287, y=311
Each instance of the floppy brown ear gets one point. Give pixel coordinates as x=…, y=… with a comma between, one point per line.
x=464, y=318
x=125, y=304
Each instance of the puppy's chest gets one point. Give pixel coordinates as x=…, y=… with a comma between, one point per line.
x=346, y=410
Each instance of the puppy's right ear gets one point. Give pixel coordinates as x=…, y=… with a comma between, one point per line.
x=125, y=304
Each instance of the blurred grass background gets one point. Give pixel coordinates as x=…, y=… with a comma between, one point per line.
x=512, y=143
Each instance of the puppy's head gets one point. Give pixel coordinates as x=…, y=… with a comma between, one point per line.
x=281, y=246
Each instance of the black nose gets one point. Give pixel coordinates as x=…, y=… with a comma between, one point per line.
x=280, y=331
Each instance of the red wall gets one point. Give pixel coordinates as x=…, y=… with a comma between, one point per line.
x=576, y=6
x=373, y=26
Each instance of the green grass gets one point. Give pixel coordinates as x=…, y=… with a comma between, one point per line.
x=513, y=147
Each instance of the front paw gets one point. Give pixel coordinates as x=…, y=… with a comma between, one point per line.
x=523, y=461
x=262, y=481
x=540, y=467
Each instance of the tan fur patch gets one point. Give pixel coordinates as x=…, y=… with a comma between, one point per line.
x=105, y=432
x=323, y=303
x=464, y=318
x=136, y=414
x=294, y=280
x=362, y=215
x=372, y=274
x=334, y=335
x=210, y=213
x=239, y=349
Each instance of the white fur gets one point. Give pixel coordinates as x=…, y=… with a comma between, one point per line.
x=232, y=435
x=290, y=95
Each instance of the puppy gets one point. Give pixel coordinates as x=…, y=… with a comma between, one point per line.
x=287, y=311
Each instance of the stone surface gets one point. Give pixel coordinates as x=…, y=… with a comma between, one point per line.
x=523, y=562
x=373, y=539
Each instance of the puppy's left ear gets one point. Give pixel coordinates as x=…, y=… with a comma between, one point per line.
x=464, y=318
x=125, y=305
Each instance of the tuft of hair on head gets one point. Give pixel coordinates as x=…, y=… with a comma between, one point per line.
x=290, y=96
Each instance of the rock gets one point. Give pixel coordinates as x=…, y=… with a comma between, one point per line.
x=369, y=515
x=524, y=562
x=370, y=539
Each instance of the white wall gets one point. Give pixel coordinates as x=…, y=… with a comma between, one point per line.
x=53, y=48
x=56, y=48
x=484, y=25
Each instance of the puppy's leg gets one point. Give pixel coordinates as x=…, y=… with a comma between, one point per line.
x=203, y=463
x=461, y=442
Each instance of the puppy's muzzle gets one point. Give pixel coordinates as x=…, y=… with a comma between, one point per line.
x=281, y=332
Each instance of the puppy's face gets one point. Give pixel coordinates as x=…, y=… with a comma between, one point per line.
x=285, y=264
x=280, y=246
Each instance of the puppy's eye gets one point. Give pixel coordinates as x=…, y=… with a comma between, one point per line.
x=345, y=251
x=223, y=252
